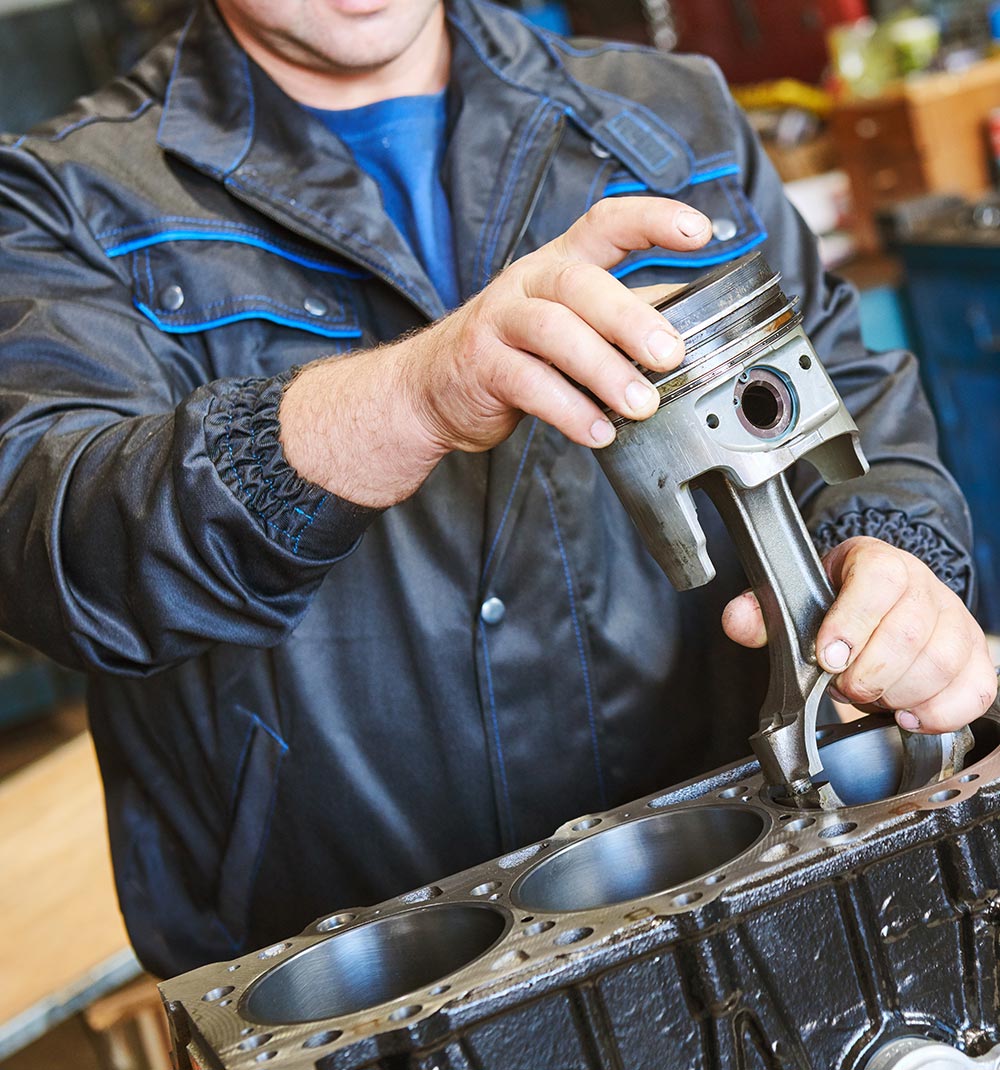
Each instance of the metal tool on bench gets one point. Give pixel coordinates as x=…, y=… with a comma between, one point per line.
x=750, y=400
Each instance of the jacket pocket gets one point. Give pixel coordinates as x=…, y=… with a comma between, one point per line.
x=253, y=793
x=736, y=227
x=189, y=283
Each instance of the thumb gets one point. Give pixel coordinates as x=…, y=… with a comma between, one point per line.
x=743, y=621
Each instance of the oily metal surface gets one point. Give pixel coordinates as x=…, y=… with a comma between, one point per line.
x=708, y=926
x=750, y=399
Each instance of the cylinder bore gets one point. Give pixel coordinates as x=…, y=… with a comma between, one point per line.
x=640, y=858
x=374, y=963
x=868, y=767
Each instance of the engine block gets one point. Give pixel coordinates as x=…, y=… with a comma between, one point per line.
x=707, y=927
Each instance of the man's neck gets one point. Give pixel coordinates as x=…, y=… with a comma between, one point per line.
x=422, y=68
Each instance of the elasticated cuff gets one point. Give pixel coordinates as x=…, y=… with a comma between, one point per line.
x=951, y=566
x=298, y=515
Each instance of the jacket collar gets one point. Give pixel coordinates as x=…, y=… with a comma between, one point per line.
x=211, y=115
x=535, y=60
x=223, y=115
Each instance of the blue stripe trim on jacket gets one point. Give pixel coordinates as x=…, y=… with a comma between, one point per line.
x=690, y=261
x=238, y=239
x=251, y=314
x=634, y=186
x=718, y=172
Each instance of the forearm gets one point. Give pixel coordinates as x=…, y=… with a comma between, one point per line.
x=348, y=424
x=144, y=540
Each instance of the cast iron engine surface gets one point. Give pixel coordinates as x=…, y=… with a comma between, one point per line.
x=706, y=927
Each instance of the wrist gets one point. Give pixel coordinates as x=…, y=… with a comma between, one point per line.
x=348, y=425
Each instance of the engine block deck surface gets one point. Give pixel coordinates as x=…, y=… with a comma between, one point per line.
x=706, y=927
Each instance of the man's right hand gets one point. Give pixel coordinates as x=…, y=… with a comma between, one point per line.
x=371, y=427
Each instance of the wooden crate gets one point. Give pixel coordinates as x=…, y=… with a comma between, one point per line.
x=924, y=135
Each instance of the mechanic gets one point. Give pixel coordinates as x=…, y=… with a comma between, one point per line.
x=294, y=466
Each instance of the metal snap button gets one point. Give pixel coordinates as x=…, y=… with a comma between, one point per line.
x=315, y=306
x=724, y=229
x=171, y=298
x=492, y=611
x=599, y=150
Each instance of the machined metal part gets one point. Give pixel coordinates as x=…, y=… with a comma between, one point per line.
x=710, y=926
x=919, y=1053
x=749, y=369
x=750, y=400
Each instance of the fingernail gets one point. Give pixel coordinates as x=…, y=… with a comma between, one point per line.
x=838, y=696
x=691, y=224
x=602, y=433
x=662, y=345
x=641, y=396
x=907, y=720
x=837, y=655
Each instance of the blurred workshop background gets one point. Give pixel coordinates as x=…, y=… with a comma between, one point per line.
x=883, y=119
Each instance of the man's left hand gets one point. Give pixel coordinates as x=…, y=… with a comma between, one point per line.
x=896, y=638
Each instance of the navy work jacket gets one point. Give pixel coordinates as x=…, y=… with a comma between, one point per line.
x=298, y=704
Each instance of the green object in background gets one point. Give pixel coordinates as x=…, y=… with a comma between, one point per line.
x=915, y=42
x=30, y=685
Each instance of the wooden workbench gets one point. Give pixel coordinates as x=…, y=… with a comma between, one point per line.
x=64, y=942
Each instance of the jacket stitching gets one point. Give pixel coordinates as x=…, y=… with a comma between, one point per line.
x=224, y=223
x=236, y=299
x=617, y=125
x=310, y=517
x=266, y=834
x=238, y=774
x=173, y=72
x=515, y=172
x=270, y=731
x=310, y=325
x=510, y=496
x=528, y=138
x=381, y=250
x=268, y=481
x=601, y=173
x=248, y=496
x=493, y=215
x=506, y=79
x=722, y=171
x=691, y=261
x=614, y=189
x=627, y=106
x=88, y=121
x=252, y=123
x=738, y=213
x=393, y=271
x=234, y=944
x=581, y=651
x=176, y=236
x=586, y=53
x=501, y=764
x=136, y=280
x=149, y=277
x=631, y=108
x=487, y=62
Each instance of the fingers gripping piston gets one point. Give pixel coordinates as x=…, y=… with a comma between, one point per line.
x=750, y=400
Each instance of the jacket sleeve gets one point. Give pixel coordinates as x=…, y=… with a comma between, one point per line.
x=908, y=498
x=146, y=512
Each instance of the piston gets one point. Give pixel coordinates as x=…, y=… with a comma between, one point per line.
x=751, y=399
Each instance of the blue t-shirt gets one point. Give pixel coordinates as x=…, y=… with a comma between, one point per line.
x=400, y=143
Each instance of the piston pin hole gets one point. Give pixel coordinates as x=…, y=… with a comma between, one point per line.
x=764, y=403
